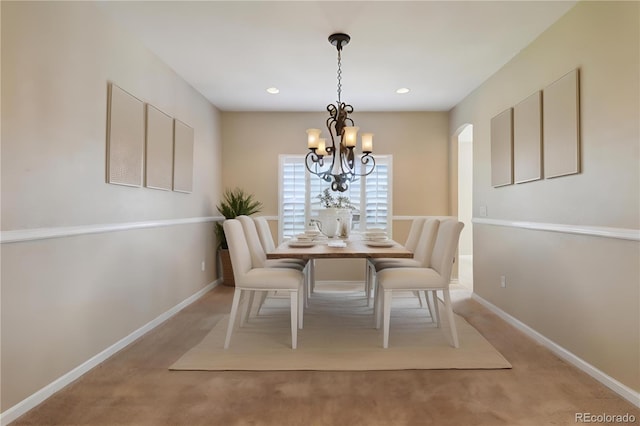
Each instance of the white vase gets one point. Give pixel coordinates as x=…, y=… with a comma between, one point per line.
x=335, y=222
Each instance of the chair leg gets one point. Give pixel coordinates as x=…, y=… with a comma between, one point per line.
x=247, y=308
x=367, y=282
x=417, y=294
x=428, y=301
x=377, y=303
x=263, y=297
x=312, y=274
x=301, y=303
x=293, y=296
x=386, y=304
x=307, y=284
x=436, y=306
x=450, y=317
x=232, y=316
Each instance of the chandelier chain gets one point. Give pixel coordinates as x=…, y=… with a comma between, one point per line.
x=339, y=76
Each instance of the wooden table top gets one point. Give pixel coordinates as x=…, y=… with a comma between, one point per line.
x=356, y=248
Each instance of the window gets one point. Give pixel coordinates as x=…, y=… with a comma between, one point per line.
x=299, y=189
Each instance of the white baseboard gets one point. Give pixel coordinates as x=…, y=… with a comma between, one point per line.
x=32, y=401
x=624, y=391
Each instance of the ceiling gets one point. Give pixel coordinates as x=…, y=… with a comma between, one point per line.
x=232, y=51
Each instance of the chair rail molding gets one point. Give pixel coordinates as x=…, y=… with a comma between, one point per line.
x=595, y=231
x=20, y=235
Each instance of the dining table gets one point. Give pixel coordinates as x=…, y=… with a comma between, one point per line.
x=354, y=247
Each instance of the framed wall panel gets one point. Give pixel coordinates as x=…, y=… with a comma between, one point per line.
x=502, y=148
x=527, y=139
x=159, y=150
x=561, y=134
x=125, y=137
x=182, y=157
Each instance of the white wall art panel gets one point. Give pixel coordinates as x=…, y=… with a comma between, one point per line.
x=182, y=157
x=527, y=139
x=502, y=148
x=125, y=138
x=159, y=150
x=561, y=117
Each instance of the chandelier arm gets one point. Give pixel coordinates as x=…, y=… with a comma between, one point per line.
x=365, y=160
x=312, y=161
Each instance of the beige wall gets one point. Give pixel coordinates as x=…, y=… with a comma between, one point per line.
x=64, y=300
x=418, y=141
x=582, y=292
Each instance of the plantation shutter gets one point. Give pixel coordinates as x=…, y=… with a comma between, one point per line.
x=299, y=190
x=376, y=211
x=293, y=196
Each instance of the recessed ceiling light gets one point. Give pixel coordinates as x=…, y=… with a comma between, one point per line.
x=273, y=90
x=402, y=90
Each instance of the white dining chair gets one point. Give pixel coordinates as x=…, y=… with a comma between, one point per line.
x=412, y=239
x=427, y=279
x=421, y=259
x=410, y=244
x=266, y=239
x=250, y=278
x=268, y=244
x=259, y=259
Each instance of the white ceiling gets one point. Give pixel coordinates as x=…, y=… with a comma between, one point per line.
x=232, y=51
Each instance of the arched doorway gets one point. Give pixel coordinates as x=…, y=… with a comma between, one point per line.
x=465, y=204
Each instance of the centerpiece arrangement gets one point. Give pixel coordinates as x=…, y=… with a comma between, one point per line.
x=336, y=216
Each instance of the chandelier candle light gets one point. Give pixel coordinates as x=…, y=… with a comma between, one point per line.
x=342, y=169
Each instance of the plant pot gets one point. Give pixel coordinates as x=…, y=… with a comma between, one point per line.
x=227, y=268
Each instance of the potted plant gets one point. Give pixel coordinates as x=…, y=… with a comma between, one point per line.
x=335, y=218
x=235, y=202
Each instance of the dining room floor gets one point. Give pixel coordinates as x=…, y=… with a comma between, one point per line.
x=135, y=386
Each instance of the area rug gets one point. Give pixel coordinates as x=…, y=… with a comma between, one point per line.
x=339, y=334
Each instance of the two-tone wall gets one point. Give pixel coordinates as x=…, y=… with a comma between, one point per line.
x=85, y=263
x=579, y=291
x=418, y=142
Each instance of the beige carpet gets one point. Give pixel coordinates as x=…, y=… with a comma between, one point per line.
x=339, y=334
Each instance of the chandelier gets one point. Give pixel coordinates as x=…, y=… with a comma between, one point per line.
x=342, y=169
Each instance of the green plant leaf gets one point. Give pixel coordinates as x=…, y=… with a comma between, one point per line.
x=235, y=202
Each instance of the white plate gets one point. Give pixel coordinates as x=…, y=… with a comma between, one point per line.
x=301, y=244
x=378, y=230
x=337, y=244
x=380, y=243
x=376, y=238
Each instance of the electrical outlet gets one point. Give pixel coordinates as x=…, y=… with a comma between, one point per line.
x=483, y=211
x=202, y=266
x=503, y=281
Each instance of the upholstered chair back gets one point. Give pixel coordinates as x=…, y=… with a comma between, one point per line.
x=426, y=241
x=264, y=232
x=445, y=247
x=414, y=234
x=238, y=248
x=258, y=255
